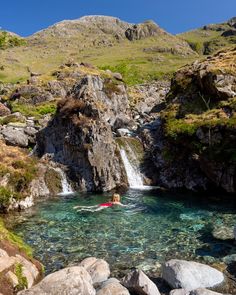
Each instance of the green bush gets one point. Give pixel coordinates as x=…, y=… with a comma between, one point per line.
x=5, y=196
x=7, y=40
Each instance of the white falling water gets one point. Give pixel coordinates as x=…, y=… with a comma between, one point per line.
x=66, y=188
x=134, y=177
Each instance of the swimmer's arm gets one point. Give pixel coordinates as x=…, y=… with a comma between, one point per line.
x=76, y=207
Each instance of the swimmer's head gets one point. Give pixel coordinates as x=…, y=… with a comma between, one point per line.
x=115, y=198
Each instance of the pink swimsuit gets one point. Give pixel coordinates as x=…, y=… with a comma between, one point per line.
x=106, y=205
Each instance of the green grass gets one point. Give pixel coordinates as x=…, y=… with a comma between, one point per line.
x=129, y=58
x=22, y=280
x=208, y=41
x=14, y=239
x=7, y=40
x=35, y=111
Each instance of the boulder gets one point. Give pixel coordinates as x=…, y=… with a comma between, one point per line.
x=112, y=286
x=190, y=275
x=235, y=232
x=4, y=111
x=123, y=121
x=26, y=264
x=97, y=268
x=123, y=132
x=137, y=282
x=179, y=292
x=71, y=280
x=202, y=291
x=3, y=253
x=12, y=278
x=117, y=76
x=6, y=262
x=15, y=137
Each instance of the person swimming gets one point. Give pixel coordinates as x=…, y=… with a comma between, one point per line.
x=115, y=200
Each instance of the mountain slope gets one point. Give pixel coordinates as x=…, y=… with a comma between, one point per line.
x=145, y=50
x=210, y=38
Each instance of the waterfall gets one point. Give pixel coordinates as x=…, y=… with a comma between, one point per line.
x=66, y=188
x=134, y=176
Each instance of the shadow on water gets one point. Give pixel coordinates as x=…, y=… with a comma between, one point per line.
x=155, y=226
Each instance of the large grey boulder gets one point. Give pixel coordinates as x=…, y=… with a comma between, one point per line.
x=190, y=275
x=137, y=282
x=98, y=269
x=235, y=232
x=69, y=281
x=202, y=291
x=15, y=137
x=112, y=287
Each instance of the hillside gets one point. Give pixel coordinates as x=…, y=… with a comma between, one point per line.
x=141, y=52
x=210, y=38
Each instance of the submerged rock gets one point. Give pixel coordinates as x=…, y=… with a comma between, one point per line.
x=139, y=283
x=223, y=233
x=190, y=275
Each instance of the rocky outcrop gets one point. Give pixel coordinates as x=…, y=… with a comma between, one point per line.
x=142, y=31
x=190, y=143
x=80, y=134
x=190, y=275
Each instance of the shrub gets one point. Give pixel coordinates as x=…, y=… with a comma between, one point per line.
x=7, y=40
x=5, y=196
x=69, y=106
x=111, y=86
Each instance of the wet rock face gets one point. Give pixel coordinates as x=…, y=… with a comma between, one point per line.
x=80, y=134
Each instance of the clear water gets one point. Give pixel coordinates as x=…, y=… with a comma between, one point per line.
x=155, y=226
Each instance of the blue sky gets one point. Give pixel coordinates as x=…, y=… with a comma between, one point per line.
x=28, y=16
